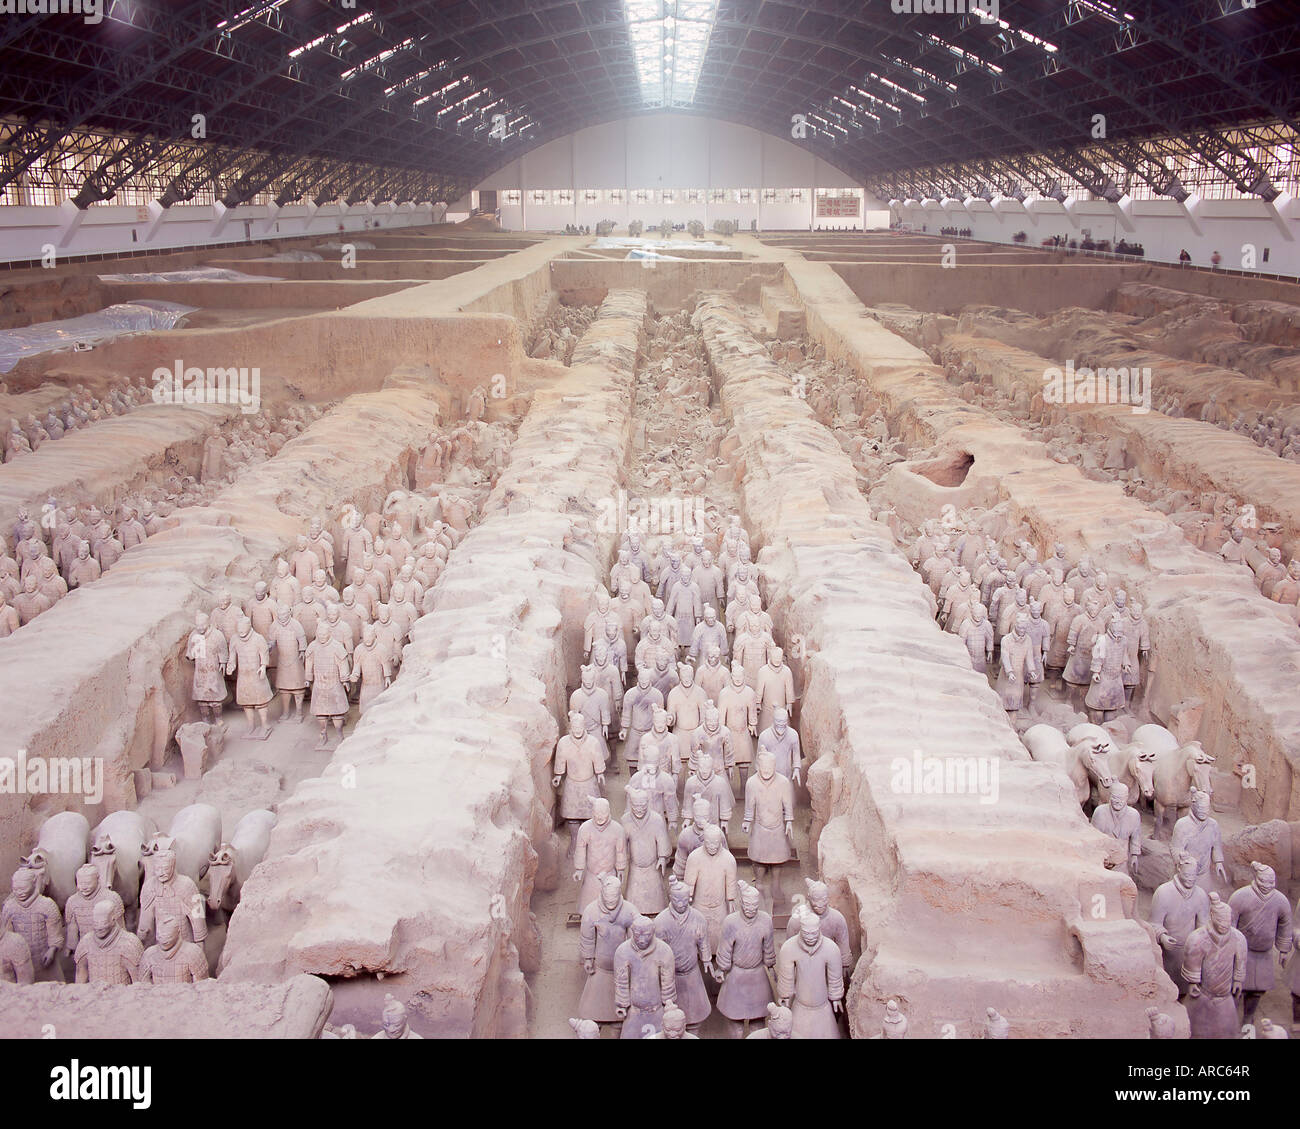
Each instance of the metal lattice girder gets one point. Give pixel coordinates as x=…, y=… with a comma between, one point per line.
x=1163, y=162
x=282, y=82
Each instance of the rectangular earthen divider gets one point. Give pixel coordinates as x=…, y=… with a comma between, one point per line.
x=415, y=854
x=960, y=904
x=1213, y=638
x=101, y=673
x=108, y=459
x=1184, y=454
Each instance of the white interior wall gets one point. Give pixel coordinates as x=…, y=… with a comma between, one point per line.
x=1162, y=227
x=670, y=151
x=25, y=232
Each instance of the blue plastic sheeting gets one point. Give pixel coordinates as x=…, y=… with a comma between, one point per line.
x=620, y=242
x=90, y=329
x=645, y=253
x=198, y=274
x=290, y=257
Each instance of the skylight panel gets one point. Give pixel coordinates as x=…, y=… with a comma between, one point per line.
x=329, y=35
x=376, y=60
x=1105, y=11
x=962, y=53
x=920, y=72
x=875, y=101
x=669, y=39
x=250, y=15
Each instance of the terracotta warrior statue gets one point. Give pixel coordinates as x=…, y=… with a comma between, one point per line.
x=738, y=708
x=250, y=655
x=774, y=689
x=675, y=1026
x=894, y=1025
x=712, y=741
x=649, y=849
x=711, y=878
x=779, y=1025
x=685, y=931
x=594, y=704
x=207, y=649
x=1061, y=615
x=15, y=957
x=782, y=742
x=1198, y=833
x=288, y=642
x=303, y=562
x=1214, y=967
x=661, y=742
x=996, y=1025
x=709, y=783
x=600, y=850
x=609, y=678
x=578, y=773
x=1263, y=915
x=644, y=979
x=1109, y=667
x=173, y=960
x=1087, y=625
x=393, y=1023
x=833, y=923
x=810, y=980
x=745, y=954
x=327, y=671
x=31, y=601
x=284, y=589
x=695, y=819
x=686, y=703
x=108, y=954
x=605, y=925
x=769, y=823
x=708, y=633
x=1122, y=823
x=1017, y=666
x=977, y=636
x=659, y=787
x=1137, y=645
x=1178, y=907
x=79, y=913
x=171, y=896
x=37, y=920
x=85, y=569
x=225, y=616
x=711, y=674
x=639, y=705
x=371, y=667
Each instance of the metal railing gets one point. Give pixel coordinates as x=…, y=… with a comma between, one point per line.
x=1111, y=255
x=226, y=245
